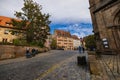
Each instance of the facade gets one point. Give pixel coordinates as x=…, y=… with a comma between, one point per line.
x=106, y=24
x=64, y=40
x=5, y=30
x=76, y=42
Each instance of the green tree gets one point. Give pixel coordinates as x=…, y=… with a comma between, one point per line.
x=34, y=21
x=90, y=42
x=53, y=44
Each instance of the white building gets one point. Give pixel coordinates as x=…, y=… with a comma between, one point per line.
x=76, y=42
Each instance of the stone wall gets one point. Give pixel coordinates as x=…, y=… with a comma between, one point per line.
x=11, y=51
x=104, y=14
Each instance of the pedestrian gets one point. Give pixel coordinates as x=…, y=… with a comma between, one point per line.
x=28, y=55
x=79, y=48
x=33, y=52
x=27, y=50
x=83, y=49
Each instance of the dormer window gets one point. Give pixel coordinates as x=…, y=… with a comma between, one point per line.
x=6, y=31
x=7, y=24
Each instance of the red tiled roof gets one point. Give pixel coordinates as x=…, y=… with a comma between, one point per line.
x=63, y=33
x=7, y=20
x=4, y=21
x=75, y=37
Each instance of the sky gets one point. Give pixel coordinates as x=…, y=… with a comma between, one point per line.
x=69, y=15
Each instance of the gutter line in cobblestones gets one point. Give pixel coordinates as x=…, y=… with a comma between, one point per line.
x=55, y=66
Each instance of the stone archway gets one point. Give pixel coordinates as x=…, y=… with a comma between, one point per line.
x=116, y=28
x=116, y=19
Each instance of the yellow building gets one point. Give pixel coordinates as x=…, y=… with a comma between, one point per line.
x=5, y=30
x=64, y=40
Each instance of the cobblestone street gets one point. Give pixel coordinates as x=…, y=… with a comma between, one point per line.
x=59, y=65
x=68, y=70
x=53, y=65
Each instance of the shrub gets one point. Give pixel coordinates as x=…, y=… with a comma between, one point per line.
x=19, y=42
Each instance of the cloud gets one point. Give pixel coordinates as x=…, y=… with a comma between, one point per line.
x=66, y=10
x=79, y=35
x=81, y=30
x=60, y=10
x=9, y=7
x=67, y=15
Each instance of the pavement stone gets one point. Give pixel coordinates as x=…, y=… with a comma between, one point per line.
x=69, y=70
x=66, y=70
x=109, y=68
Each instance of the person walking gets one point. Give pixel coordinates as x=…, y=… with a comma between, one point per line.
x=79, y=48
x=83, y=49
x=28, y=55
x=33, y=52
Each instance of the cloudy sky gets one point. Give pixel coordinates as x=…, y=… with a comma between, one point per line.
x=69, y=15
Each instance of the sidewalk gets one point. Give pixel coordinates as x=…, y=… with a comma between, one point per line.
x=105, y=68
x=7, y=61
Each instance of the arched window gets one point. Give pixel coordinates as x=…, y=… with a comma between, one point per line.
x=116, y=28
x=117, y=18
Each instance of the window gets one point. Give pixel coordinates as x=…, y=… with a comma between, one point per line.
x=60, y=40
x=7, y=24
x=65, y=43
x=16, y=33
x=6, y=31
x=4, y=40
x=59, y=43
x=65, y=40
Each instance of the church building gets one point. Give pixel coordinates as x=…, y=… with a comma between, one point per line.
x=105, y=16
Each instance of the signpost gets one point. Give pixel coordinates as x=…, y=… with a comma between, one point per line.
x=105, y=43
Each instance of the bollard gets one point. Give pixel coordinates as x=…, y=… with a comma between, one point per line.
x=81, y=60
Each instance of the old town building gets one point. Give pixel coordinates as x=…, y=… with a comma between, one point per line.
x=64, y=40
x=6, y=28
x=106, y=24
x=76, y=42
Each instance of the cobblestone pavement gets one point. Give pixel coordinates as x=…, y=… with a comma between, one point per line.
x=67, y=70
x=53, y=65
